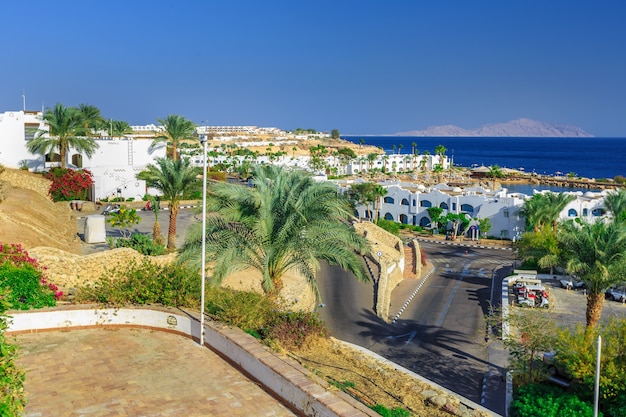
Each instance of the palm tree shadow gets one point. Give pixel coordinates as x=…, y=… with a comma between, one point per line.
x=437, y=354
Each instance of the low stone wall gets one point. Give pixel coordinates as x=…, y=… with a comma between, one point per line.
x=27, y=180
x=68, y=270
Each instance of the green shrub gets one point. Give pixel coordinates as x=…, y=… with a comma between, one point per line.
x=293, y=329
x=28, y=290
x=245, y=310
x=144, y=283
x=12, y=396
x=141, y=243
x=533, y=400
x=389, y=225
x=395, y=412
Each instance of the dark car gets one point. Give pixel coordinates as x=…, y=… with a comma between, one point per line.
x=616, y=294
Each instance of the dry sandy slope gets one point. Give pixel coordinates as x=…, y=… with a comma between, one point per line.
x=32, y=219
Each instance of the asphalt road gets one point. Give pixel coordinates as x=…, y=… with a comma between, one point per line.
x=441, y=333
x=186, y=217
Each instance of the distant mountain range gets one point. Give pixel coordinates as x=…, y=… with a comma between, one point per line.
x=514, y=128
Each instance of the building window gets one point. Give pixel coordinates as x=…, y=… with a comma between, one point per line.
x=389, y=200
x=585, y=212
x=597, y=212
x=388, y=216
x=467, y=208
x=404, y=219
x=572, y=213
x=453, y=206
x=405, y=202
x=443, y=206
x=505, y=213
x=425, y=203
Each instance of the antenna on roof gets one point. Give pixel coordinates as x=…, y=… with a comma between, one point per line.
x=23, y=100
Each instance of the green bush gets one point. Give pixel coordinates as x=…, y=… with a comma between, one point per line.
x=28, y=289
x=395, y=412
x=534, y=400
x=141, y=243
x=245, y=310
x=144, y=283
x=12, y=396
x=293, y=329
x=389, y=225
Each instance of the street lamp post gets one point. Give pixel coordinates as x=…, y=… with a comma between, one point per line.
x=203, y=140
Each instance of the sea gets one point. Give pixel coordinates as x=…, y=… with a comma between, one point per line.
x=585, y=157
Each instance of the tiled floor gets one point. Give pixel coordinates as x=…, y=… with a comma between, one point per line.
x=134, y=372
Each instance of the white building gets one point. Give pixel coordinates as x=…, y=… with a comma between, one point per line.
x=114, y=164
x=16, y=128
x=408, y=204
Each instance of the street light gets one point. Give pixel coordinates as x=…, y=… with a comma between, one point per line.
x=203, y=140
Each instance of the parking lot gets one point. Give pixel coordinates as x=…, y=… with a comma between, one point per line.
x=570, y=305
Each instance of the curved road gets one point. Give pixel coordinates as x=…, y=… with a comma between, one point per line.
x=441, y=333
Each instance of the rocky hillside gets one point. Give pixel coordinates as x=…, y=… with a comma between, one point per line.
x=515, y=128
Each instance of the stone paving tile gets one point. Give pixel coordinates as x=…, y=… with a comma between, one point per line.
x=134, y=372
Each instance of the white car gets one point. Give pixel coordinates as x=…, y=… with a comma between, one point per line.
x=572, y=284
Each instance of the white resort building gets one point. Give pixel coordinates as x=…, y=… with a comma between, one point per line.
x=117, y=161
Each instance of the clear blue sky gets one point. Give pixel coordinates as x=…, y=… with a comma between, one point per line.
x=363, y=67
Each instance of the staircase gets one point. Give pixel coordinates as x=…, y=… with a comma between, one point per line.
x=409, y=262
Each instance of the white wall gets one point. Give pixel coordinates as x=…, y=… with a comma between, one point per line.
x=13, y=139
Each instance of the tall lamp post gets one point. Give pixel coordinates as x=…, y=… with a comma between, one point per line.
x=203, y=140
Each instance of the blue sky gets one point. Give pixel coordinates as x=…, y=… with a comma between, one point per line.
x=363, y=67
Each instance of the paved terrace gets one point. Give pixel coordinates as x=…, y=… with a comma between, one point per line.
x=145, y=362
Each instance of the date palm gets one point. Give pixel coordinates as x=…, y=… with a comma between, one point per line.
x=615, y=203
x=597, y=253
x=67, y=130
x=176, y=129
x=92, y=119
x=286, y=222
x=174, y=179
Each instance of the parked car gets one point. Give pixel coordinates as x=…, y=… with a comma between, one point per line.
x=572, y=284
x=616, y=294
x=111, y=209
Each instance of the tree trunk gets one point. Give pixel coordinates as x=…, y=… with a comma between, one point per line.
x=156, y=233
x=594, y=309
x=171, y=235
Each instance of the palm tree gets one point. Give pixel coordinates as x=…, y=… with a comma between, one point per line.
x=66, y=131
x=494, y=172
x=400, y=146
x=544, y=208
x=615, y=203
x=92, y=119
x=120, y=128
x=286, y=222
x=176, y=130
x=597, y=253
x=413, y=145
x=440, y=151
x=379, y=192
x=174, y=179
x=438, y=169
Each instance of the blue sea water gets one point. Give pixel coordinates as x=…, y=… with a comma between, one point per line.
x=586, y=157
